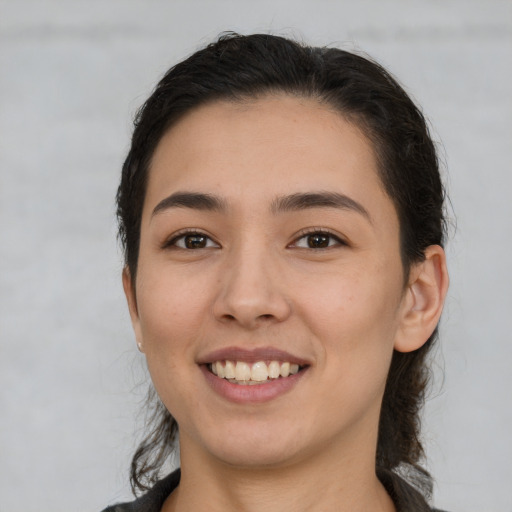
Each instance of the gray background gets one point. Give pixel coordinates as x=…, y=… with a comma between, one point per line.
x=72, y=74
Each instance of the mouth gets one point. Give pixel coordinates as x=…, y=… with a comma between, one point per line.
x=252, y=375
x=249, y=374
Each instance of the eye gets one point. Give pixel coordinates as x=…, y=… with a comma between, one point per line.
x=191, y=240
x=318, y=240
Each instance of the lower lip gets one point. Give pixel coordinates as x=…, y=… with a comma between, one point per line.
x=255, y=393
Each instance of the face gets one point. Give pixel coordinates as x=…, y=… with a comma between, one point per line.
x=268, y=246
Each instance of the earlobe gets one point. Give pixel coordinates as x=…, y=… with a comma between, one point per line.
x=423, y=300
x=129, y=291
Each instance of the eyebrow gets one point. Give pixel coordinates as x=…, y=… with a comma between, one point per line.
x=194, y=200
x=304, y=201
x=281, y=204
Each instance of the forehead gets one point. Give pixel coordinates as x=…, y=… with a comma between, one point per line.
x=261, y=148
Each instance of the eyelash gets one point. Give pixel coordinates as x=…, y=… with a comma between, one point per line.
x=181, y=235
x=318, y=231
x=173, y=241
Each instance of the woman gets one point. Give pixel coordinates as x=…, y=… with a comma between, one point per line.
x=281, y=212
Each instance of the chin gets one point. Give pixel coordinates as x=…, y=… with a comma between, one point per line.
x=255, y=458
x=258, y=447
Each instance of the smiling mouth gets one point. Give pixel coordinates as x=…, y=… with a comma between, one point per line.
x=260, y=372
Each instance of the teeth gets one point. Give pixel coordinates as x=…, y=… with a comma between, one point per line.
x=274, y=370
x=220, y=369
x=259, y=371
x=285, y=369
x=230, y=370
x=242, y=373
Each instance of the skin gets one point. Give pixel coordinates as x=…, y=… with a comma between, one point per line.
x=257, y=283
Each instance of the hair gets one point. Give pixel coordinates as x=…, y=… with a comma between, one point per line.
x=242, y=68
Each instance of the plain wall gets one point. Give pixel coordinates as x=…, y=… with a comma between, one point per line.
x=72, y=74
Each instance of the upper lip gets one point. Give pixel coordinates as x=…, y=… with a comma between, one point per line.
x=251, y=355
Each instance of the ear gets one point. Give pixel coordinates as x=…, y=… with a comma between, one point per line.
x=129, y=291
x=423, y=300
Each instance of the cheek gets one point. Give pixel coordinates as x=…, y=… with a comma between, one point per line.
x=355, y=314
x=170, y=319
x=355, y=325
x=170, y=309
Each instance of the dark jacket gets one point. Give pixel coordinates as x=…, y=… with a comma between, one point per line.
x=405, y=497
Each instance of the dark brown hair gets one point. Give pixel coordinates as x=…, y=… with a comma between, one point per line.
x=238, y=68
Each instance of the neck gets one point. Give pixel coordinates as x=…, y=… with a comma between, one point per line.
x=328, y=481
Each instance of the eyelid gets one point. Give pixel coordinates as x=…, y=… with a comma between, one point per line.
x=341, y=241
x=172, y=239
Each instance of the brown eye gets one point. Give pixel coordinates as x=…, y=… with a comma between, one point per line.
x=195, y=241
x=192, y=241
x=318, y=241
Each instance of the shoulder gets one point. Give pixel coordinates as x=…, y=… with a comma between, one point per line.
x=405, y=496
x=153, y=500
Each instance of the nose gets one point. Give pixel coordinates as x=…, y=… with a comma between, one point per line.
x=251, y=292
